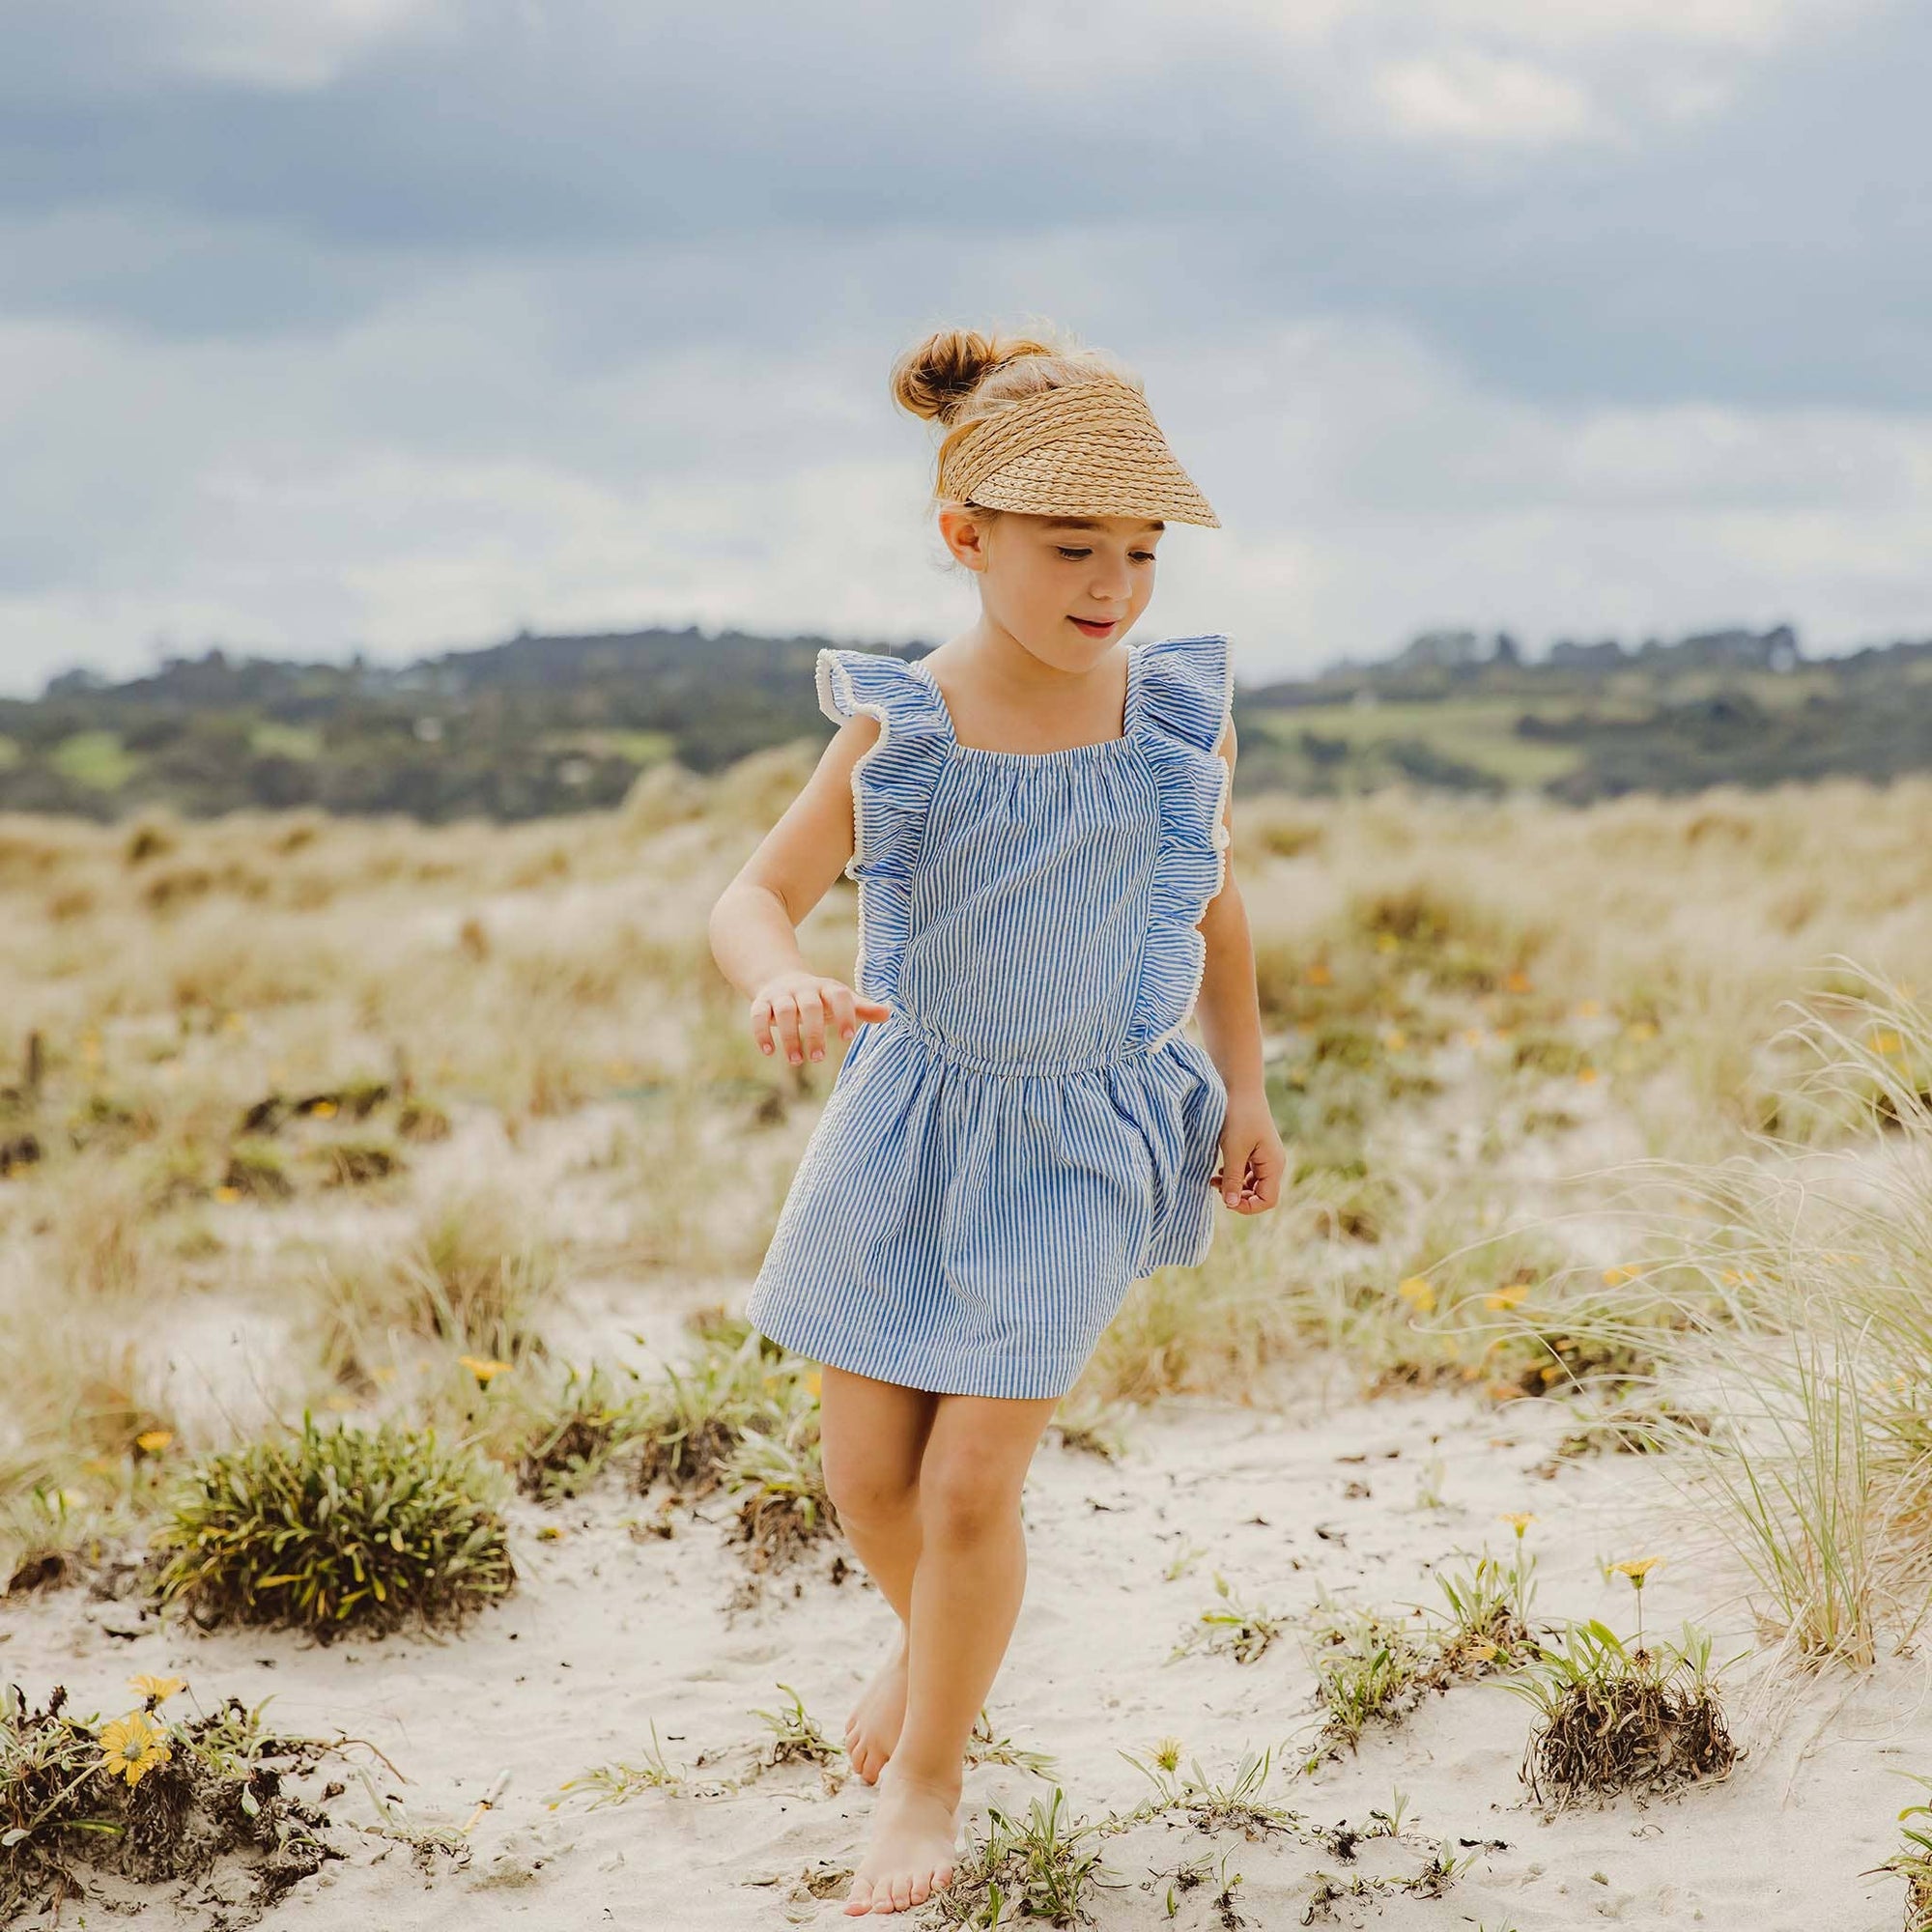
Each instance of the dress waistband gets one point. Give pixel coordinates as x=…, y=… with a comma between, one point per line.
x=961, y=1055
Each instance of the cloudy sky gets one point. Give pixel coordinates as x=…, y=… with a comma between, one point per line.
x=399, y=325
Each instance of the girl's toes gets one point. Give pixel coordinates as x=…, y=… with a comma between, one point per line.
x=921, y=1890
x=860, y=1898
x=902, y=1894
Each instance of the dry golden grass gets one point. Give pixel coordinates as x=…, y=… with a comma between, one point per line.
x=1478, y=1015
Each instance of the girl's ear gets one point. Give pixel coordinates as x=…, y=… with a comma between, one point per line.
x=965, y=530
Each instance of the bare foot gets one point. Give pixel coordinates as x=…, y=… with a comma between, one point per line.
x=910, y=1855
x=872, y=1730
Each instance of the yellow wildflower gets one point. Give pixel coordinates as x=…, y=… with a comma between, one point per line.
x=1636, y=1567
x=324, y=1110
x=159, y=1689
x=1586, y=1077
x=1506, y=1297
x=1623, y=1271
x=228, y=1196
x=1888, y=1042
x=482, y=1369
x=152, y=1441
x=1419, y=1292
x=1394, y=1040
x=131, y=1747
x=814, y=1382
x=1520, y=1520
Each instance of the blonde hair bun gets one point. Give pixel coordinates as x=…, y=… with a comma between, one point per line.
x=937, y=377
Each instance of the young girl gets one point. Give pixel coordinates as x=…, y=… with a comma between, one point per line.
x=1037, y=814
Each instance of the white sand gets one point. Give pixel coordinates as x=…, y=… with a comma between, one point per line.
x=607, y=1633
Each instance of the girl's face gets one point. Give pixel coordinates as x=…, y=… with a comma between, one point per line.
x=1068, y=588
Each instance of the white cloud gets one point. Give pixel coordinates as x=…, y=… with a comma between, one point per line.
x=1479, y=97
x=1488, y=73
x=412, y=486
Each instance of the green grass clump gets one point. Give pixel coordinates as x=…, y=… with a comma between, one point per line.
x=572, y=1442
x=356, y=1163
x=1367, y=1668
x=256, y=1170
x=1043, y=1867
x=332, y=1530
x=1615, y=1718
x=691, y=1425
x=779, y=1482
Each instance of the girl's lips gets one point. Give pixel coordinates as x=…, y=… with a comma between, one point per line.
x=1096, y=627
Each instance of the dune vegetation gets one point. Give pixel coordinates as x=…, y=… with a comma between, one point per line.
x=377, y=1199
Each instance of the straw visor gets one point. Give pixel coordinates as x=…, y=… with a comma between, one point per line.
x=1082, y=449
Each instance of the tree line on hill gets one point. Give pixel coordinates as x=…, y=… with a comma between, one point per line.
x=539, y=725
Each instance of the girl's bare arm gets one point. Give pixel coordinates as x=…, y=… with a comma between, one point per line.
x=1229, y=1009
x=754, y=926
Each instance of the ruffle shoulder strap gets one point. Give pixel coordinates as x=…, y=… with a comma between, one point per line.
x=1184, y=694
x=891, y=789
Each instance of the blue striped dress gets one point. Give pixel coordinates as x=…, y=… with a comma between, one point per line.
x=1032, y=1130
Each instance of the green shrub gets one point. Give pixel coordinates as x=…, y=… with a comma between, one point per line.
x=336, y=1529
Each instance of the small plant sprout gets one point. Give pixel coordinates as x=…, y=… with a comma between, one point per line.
x=1913, y=1862
x=1231, y=1627
x=1182, y=1564
x=796, y=1738
x=614, y=1783
x=986, y=1746
x=1489, y=1612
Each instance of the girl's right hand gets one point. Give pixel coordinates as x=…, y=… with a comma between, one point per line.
x=797, y=1006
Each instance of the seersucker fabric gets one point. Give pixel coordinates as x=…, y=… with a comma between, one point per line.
x=1032, y=1130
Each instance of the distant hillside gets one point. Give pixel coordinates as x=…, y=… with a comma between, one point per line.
x=540, y=726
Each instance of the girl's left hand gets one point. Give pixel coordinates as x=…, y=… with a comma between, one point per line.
x=1253, y=1159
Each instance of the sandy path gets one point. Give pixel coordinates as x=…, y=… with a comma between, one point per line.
x=609, y=1632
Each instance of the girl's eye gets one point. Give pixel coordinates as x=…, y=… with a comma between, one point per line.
x=1072, y=556
x=1142, y=556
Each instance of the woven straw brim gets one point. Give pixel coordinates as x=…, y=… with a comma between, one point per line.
x=1099, y=473
x=1083, y=449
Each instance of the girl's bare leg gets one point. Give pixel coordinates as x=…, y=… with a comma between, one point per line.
x=873, y=1434
x=967, y=1587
